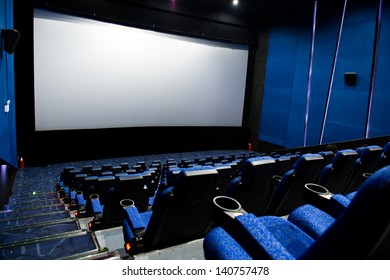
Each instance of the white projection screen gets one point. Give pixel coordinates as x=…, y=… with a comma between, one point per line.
x=90, y=74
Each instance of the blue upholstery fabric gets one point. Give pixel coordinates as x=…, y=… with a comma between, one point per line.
x=311, y=220
x=134, y=218
x=219, y=245
x=315, y=221
x=96, y=207
x=357, y=233
x=265, y=237
x=80, y=200
x=360, y=231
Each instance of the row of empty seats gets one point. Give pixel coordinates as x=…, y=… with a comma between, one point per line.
x=172, y=201
x=346, y=221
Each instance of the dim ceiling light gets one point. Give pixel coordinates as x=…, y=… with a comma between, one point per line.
x=235, y=2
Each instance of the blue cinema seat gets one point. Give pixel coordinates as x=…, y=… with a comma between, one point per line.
x=335, y=175
x=182, y=212
x=360, y=232
x=254, y=186
x=385, y=156
x=288, y=192
x=321, y=211
x=366, y=163
x=127, y=190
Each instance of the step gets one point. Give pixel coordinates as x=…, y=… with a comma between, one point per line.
x=32, y=203
x=9, y=223
x=29, y=211
x=52, y=248
x=45, y=230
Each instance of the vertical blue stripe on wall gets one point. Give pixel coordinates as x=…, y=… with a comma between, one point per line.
x=380, y=118
x=348, y=104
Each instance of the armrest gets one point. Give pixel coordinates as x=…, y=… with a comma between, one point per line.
x=80, y=199
x=337, y=205
x=320, y=197
x=135, y=221
x=97, y=209
x=80, y=205
x=72, y=199
x=257, y=240
x=317, y=196
x=133, y=230
x=225, y=211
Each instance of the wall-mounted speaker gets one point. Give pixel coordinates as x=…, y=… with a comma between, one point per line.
x=10, y=38
x=350, y=78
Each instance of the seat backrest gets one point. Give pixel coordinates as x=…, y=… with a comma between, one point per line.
x=366, y=213
x=225, y=172
x=385, y=156
x=366, y=163
x=328, y=156
x=130, y=187
x=289, y=192
x=133, y=187
x=334, y=176
x=103, y=184
x=88, y=185
x=283, y=164
x=254, y=188
x=183, y=212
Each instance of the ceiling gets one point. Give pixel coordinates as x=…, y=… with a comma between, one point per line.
x=247, y=12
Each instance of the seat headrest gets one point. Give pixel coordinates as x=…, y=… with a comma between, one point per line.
x=301, y=166
x=341, y=157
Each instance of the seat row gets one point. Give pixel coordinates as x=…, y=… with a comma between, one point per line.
x=330, y=227
x=324, y=224
x=179, y=209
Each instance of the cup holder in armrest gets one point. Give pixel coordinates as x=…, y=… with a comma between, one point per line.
x=94, y=196
x=126, y=203
x=225, y=210
x=366, y=175
x=316, y=195
x=226, y=203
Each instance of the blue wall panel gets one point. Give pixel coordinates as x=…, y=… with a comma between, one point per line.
x=327, y=28
x=346, y=118
x=348, y=104
x=7, y=91
x=286, y=80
